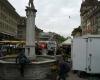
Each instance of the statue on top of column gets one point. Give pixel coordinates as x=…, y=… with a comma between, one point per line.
x=31, y=5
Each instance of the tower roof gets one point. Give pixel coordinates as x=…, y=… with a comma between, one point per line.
x=89, y=3
x=91, y=0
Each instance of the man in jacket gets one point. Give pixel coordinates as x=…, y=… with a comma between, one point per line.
x=63, y=69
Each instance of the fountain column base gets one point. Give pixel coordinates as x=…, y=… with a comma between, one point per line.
x=29, y=52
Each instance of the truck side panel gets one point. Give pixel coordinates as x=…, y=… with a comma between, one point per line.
x=79, y=54
x=93, y=55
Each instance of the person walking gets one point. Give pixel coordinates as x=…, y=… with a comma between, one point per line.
x=63, y=70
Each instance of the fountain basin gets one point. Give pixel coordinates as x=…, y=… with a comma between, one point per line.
x=38, y=70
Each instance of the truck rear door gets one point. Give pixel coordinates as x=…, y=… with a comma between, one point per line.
x=93, y=58
x=79, y=54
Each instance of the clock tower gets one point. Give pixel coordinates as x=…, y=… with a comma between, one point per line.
x=89, y=13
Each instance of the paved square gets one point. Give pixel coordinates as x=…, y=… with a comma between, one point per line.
x=74, y=77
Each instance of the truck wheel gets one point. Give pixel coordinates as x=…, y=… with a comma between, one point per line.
x=74, y=71
x=81, y=74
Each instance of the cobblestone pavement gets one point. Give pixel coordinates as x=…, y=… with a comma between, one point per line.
x=74, y=77
x=71, y=76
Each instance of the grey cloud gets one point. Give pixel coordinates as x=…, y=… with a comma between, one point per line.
x=53, y=15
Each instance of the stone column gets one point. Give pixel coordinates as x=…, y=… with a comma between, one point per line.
x=30, y=33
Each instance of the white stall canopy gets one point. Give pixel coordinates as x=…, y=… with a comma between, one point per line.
x=67, y=42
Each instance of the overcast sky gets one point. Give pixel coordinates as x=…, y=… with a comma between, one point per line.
x=53, y=15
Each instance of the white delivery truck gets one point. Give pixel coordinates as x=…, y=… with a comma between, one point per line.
x=86, y=54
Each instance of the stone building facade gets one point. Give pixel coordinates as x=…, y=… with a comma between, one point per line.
x=8, y=20
x=90, y=17
x=21, y=30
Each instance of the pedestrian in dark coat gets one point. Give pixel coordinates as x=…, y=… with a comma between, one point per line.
x=63, y=70
x=22, y=60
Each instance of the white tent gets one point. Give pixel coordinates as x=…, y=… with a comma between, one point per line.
x=67, y=42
